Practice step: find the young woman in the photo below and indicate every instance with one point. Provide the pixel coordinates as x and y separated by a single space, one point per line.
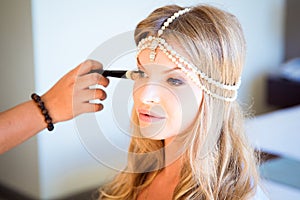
188 138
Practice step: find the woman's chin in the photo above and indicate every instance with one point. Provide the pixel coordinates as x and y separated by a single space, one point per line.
148 133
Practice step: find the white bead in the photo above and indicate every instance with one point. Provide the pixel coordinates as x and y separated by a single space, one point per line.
160 32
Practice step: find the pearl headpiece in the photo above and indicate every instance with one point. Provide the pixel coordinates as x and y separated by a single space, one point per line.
152 43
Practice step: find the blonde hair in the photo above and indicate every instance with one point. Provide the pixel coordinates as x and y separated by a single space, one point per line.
218 161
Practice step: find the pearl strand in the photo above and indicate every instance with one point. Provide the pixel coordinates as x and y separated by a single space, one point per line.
171 19
190 70
166 48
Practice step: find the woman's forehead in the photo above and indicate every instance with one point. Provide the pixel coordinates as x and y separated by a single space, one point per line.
161 60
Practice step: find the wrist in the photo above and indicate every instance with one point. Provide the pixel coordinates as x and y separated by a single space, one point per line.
51 104
44 111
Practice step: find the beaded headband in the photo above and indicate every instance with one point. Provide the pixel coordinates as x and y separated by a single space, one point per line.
152 43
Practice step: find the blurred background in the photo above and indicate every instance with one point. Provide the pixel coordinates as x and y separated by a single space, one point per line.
41 40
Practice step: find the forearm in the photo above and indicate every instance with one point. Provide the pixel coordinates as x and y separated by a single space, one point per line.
68 98
20 123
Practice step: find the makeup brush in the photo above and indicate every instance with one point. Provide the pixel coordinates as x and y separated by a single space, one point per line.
115 73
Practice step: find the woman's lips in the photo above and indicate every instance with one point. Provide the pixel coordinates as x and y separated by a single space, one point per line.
149 117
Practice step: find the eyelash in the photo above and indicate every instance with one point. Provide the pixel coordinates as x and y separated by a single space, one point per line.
175 81
141 74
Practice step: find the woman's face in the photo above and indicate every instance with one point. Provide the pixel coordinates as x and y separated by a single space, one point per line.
166 101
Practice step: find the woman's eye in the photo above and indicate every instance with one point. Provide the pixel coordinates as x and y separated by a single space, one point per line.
142 74
175 81
138 74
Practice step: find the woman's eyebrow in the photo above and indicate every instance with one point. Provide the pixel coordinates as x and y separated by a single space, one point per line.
170 70
138 61
141 67
139 64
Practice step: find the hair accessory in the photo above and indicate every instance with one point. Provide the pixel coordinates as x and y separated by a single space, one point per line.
155 41
152 43
36 98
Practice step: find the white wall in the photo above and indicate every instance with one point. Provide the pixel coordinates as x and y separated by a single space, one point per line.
18 167
66 32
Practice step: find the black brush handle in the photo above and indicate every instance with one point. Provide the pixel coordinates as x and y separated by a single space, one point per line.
111 73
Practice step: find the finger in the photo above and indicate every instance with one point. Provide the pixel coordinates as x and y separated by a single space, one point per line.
87 80
89 65
99 94
86 95
88 107
97 107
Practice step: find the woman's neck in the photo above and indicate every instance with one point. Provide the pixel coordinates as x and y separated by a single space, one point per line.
165 182
173 156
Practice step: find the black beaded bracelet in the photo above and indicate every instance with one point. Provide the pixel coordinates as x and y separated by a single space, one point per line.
36 98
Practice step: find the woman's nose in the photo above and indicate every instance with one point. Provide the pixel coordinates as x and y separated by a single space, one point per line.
149 94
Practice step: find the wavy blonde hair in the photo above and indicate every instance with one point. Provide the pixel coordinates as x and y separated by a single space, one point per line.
218 161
